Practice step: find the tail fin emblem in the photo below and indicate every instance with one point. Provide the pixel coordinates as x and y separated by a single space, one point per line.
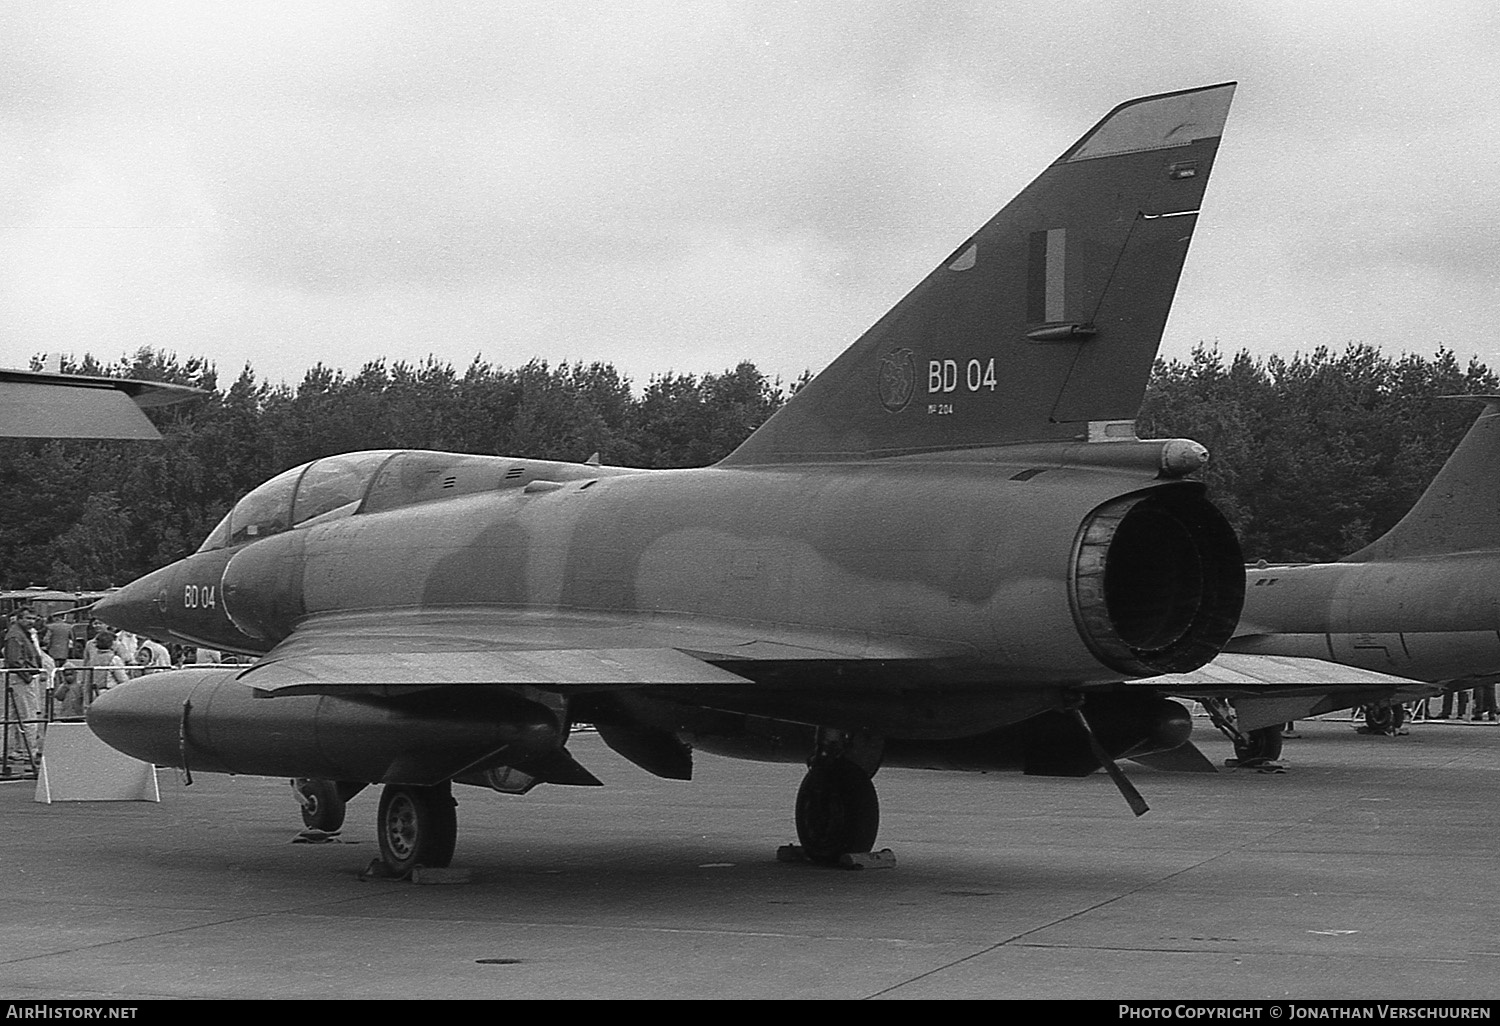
898 380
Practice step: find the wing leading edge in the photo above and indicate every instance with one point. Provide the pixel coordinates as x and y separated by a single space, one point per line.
394 652
392 673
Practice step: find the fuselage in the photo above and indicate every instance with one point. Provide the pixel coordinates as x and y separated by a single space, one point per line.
998 569
1432 618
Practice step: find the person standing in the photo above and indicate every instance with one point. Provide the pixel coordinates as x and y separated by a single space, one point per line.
42 683
106 668
1448 697
126 646
1484 702
58 642
23 663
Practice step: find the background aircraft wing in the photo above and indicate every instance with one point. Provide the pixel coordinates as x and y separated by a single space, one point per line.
37 405
1268 689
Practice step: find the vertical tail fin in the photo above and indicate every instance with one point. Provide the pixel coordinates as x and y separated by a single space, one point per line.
1047 318
1460 510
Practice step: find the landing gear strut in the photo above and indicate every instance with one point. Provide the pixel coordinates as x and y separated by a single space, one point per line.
1253 749
417 826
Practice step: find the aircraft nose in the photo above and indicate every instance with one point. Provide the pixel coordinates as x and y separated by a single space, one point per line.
140 607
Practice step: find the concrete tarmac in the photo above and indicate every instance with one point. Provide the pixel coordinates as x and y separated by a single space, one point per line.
1367 871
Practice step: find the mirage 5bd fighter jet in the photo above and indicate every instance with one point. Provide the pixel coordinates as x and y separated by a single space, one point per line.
948 549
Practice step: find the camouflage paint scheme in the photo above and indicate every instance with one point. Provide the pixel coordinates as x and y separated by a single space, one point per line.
951 536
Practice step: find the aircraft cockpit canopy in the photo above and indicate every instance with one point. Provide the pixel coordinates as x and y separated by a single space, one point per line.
324 489
365 482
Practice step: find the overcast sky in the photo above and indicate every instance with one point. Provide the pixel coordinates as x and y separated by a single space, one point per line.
682 185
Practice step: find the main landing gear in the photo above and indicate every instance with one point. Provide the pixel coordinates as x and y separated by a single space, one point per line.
1386 718
1258 749
418 826
838 812
1259 746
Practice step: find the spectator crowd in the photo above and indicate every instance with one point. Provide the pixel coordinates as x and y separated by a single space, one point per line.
54 670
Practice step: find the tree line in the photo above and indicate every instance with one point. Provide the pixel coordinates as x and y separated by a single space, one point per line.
1314 455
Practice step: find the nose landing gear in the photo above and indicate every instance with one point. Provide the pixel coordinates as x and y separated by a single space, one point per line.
322 804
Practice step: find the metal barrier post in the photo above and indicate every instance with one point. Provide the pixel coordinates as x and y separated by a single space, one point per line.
5 730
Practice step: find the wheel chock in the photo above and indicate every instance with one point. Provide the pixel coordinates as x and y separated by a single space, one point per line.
312 836
378 870
445 875
882 859
1258 765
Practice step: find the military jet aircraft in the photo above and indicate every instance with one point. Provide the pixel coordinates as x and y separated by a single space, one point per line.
946 550
1421 601
34 404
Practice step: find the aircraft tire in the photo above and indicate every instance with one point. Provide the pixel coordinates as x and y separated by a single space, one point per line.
418 826
1384 718
1264 745
838 812
322 805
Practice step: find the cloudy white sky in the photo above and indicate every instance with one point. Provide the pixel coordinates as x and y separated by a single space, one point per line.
682 185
